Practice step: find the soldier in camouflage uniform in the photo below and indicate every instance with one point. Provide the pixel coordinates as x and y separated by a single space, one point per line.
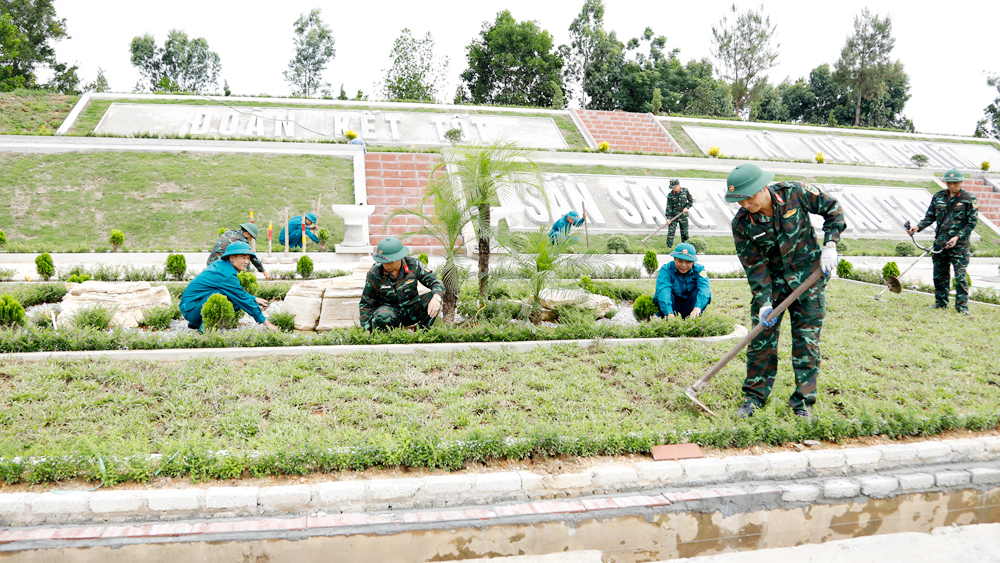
390 298
956 213
778 249
246 232
678 200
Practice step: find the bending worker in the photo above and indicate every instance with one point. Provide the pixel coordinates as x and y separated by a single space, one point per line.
778 249
244 234
956 213
679 201
682 286
390 298
562 226
295 226
220 277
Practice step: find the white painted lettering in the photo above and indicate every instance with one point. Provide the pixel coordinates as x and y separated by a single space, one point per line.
650 216
700 217
367 126
536 210
341 124
255 125
626 211
201 122
393 121
480 128
580 198
558 204
284 127
229 123
439 127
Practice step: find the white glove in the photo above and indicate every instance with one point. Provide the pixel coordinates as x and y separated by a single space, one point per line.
829 258
434 306
765 310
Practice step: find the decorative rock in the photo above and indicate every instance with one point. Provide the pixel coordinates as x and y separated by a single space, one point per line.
339 492
897 454
531 481
915 481
812 443
799 493
841 488
106 502
877 486
285 498
985 476
128 299
175 499
551 298
231 497
992 444
659 471
952 478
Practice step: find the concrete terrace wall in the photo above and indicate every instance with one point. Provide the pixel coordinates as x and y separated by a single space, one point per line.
397 180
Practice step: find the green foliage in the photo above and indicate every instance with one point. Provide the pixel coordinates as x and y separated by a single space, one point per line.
324 237
612 272
699 244
248 281
218 314
97 317
617 243
650 263
890 269
30 294
820 159
222 230
3 239
571 314
44 266
414 72
984 166
743 44
905 249
453 135
7 274
843 247
657 104
615 291
423 258
160 317
603 146
314 49
844 269
11 311
181 65
989 125
176 266
285 321
304 267
274 291
117 239
78 278
644 307
558 101
866 71
919 160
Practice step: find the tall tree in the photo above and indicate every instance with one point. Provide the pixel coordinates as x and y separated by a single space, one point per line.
314 49
10 50
415 73
594 58
513 64
181 65
989 125
38 29
743 44
864 61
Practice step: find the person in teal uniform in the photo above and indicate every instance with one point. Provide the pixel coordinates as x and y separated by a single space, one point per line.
682 286
295 226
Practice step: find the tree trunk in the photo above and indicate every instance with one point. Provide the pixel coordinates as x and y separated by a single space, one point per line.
449 305
857 108
484 249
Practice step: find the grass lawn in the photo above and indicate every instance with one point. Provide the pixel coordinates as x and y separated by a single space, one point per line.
891 367
33 112
68 202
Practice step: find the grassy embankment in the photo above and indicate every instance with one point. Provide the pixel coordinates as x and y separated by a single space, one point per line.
886 370
161 201
33 112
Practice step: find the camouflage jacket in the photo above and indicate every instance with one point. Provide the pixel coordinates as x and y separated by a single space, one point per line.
959 223
676 202
382 289
223 243
782 250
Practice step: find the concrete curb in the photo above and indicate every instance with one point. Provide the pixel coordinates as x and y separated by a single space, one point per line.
181 354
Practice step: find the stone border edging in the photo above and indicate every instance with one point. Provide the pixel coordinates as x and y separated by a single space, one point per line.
843 473
251 353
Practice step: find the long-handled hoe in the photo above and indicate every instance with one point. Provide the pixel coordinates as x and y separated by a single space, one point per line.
671 220
692 392
892 282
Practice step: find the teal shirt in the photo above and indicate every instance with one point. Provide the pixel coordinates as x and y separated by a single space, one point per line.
219 277
670 282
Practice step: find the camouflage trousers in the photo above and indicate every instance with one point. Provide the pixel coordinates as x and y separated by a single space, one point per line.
957 258
807 314
672 227
388 316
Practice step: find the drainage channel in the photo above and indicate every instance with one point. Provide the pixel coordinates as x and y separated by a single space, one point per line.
647 511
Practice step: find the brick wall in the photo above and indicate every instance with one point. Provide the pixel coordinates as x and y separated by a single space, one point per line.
989 201
626 131
398 180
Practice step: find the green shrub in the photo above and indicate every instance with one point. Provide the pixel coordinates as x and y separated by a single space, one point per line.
44 266
890 269
649 262
176 266
38 293
610 314
3 239
249 282
905 249
571 314
7 274
284 321
159 318
609 289
217 313
920 160
973 247
617 243
453 135
423 258
117 239
699 244
304 267
619 273
273 291
222 230
97 317
78 278
644 308
843 247
494 310
844 269
11 311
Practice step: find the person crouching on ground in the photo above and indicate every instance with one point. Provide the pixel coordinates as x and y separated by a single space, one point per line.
295 230
562 226
220 277
245 233
390 298
682 286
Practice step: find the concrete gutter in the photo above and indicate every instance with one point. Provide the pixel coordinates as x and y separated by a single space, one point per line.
184 354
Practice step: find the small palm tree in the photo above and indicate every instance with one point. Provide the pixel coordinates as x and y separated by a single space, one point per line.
445 223
487 174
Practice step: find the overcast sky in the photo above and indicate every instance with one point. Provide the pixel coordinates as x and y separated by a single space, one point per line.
947 48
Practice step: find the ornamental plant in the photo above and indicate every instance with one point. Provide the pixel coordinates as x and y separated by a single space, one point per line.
11 311
714 152
604 147
176 266
324 237
985 167
890 269
905 249
843 247
454 135
820 159
217 313
222 230
159 318
650 263
97 317
844 269
284 321
248 282
351 135
117 239
644 308
3 239
78 278
699 244
44 266
304 267
423 258
919 160
617 243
